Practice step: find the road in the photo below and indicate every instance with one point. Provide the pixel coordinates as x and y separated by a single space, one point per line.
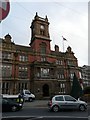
38 110
44 118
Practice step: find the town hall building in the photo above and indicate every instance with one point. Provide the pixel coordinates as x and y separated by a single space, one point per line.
36 67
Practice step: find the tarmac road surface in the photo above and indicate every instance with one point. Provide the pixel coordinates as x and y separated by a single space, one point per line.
38 110
45 118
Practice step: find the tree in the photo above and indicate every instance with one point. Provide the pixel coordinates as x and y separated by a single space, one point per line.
76 90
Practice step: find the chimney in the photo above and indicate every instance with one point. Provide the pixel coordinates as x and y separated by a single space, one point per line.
56 48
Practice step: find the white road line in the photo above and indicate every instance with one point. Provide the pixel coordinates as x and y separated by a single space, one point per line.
34 117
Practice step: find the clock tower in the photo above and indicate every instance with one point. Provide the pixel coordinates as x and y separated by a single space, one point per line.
40 32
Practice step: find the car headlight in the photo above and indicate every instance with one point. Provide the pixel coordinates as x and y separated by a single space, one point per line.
21 100
20 104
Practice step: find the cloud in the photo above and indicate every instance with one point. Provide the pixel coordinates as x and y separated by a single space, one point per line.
68 19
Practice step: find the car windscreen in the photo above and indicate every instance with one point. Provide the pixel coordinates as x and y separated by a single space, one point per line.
27 92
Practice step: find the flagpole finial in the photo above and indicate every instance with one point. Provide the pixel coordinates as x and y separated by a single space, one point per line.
64 38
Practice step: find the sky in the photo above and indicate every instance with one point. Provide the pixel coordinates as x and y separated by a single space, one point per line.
67 19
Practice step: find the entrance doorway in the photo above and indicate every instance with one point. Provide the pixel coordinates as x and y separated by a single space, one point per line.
45 90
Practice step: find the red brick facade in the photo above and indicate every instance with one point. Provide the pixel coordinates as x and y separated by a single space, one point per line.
37 68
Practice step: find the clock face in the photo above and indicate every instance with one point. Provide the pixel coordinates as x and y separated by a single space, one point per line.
42 27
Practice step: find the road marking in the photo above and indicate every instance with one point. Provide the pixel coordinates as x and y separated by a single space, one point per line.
34 117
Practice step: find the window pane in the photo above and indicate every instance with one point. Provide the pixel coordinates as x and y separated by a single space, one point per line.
44 72
6 71
68 98
23 71
23 58
59 98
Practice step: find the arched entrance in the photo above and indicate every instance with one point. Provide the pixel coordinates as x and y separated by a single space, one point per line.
45 90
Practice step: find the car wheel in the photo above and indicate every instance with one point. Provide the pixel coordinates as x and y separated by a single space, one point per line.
55 108
82 108
14 108
30 99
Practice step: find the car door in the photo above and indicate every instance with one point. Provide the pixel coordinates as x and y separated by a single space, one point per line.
60 101
5 105
70 102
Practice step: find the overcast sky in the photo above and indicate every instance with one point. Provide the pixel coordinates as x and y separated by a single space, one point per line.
67 19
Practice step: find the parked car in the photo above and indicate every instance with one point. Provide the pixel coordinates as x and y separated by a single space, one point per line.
27 95
16 98
10 105
59 102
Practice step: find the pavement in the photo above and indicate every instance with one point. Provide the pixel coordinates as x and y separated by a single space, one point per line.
39 103
36 103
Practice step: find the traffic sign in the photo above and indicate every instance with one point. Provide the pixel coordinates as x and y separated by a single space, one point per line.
4 9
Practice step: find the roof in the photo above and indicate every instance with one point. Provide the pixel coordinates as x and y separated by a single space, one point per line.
10 96
23 48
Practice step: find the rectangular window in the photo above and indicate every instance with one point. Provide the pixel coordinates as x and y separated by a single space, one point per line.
62 87
43 59
22 86
5 87
6 55
59 62
43 49
44 72
25 85
19 86
6 70
60 74
71 74
70 63
23 72
23 58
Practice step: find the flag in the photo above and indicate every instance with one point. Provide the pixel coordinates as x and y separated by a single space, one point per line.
64 38
76 90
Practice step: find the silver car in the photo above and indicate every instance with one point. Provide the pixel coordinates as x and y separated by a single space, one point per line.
59 102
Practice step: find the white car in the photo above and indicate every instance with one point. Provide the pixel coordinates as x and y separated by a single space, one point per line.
28 96
59 102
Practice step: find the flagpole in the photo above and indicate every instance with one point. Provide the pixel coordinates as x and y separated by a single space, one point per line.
64 39
63 45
